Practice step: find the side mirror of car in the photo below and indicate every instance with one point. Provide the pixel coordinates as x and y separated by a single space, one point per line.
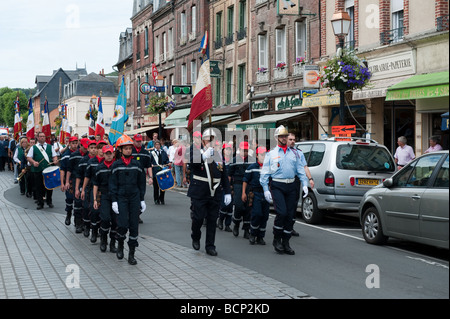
388 182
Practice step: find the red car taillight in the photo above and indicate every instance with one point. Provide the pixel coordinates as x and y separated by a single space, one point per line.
329 179
352 181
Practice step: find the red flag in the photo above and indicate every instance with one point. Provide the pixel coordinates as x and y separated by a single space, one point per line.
17 120
30 122
100 124
202 100
65 129
91 122
46 124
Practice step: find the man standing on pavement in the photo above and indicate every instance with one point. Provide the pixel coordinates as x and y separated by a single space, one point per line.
291 142
208 180
404 153
237 168
281 164
40 156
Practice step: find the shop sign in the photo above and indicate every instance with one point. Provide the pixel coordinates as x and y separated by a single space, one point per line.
321 100
398 64
307 93
311 76
418 93
256 126
287 102
153 119
369 94
260 105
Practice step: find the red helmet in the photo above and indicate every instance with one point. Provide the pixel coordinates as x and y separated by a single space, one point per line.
124 140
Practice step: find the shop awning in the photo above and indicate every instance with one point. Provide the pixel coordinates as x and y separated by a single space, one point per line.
444 125
421 86
377 88
267 121
140 130
322 98
219 118
177 117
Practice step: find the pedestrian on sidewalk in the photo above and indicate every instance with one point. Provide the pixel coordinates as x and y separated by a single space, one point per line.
209 180
404 153
41 156
255 199
127 191
103 200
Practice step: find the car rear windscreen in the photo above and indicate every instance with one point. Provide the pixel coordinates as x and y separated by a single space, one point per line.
364 158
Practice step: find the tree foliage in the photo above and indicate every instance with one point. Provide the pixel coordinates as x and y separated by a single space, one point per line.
7 112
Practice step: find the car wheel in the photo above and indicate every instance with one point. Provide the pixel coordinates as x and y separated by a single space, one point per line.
310 213
372 229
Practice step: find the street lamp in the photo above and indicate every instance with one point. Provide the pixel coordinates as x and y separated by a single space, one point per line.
159 82
340 21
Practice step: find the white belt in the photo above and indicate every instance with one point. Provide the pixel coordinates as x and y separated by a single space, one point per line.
284 180
205 179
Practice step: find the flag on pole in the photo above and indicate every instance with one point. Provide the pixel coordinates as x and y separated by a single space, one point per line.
17 120
100 125
65 129
91 122
46 124
202 100
120 117
30 121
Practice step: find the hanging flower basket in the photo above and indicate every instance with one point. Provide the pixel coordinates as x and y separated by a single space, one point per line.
158 104
345 72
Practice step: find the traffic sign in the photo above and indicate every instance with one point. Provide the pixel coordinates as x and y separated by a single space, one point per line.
145 88
343 130
181 89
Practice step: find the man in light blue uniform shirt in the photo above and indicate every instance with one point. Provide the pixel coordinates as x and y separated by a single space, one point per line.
280 167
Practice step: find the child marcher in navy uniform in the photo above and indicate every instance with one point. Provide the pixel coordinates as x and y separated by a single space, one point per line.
102 200
260 207
67 183
226 211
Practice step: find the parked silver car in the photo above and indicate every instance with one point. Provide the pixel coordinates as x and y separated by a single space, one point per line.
412 205
343 171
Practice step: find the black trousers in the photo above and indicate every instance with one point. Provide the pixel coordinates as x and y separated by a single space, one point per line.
205 208
242 212
128 218
158 194
108 219
285 204
41 191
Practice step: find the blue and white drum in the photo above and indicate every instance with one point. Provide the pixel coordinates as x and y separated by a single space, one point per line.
52 177
165 179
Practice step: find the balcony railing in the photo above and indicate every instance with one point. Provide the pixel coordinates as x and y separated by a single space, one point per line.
280 73
262 77
241 34
229 39
218 44
442 23
392 36
298 69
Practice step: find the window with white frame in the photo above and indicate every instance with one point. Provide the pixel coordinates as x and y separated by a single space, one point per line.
262 51
183 27
170 43
350 38
280 40
157 50
300 39
397 20
194 20
164 43
193 72
183 74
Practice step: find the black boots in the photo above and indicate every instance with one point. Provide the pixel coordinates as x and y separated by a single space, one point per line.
278 245
220 223
103 242
252 239
236 230
78 225
287 249
68 217
282 246
94 235
131 259
112 245
119 252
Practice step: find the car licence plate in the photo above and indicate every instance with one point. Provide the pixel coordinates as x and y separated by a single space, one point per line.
367 181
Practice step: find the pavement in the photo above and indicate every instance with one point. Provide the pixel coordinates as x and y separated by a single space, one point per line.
41 257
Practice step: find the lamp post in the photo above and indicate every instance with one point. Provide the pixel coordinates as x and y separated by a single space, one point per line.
159 82
340 22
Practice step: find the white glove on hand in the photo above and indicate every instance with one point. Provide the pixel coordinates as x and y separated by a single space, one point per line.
227 199
143 206
115 207
268 196
207 153
305 191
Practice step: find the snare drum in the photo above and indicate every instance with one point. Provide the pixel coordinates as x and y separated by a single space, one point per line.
165 179
52 177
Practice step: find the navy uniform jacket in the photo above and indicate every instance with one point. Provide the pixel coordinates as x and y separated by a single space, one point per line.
238 167
162 159
74 160
142 157
81 169
65 160
251 177
126 180
90 169
199 189
101 178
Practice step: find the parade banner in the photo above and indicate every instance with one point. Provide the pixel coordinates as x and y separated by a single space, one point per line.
46 129
100 124
30 122
119 119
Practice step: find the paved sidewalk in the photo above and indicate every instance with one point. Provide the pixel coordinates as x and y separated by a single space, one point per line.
41 257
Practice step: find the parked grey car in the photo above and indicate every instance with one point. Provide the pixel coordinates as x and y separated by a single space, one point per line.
412 205
343 171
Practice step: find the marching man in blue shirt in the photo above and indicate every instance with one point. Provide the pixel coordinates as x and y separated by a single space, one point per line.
281 165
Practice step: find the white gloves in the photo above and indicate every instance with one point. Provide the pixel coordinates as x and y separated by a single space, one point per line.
207 153
115 207
143 206
227 199
268 196
305 191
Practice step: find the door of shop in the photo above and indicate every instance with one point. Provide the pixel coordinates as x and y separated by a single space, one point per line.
399 121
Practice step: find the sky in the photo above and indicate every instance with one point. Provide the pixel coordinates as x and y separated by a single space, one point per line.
39 36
